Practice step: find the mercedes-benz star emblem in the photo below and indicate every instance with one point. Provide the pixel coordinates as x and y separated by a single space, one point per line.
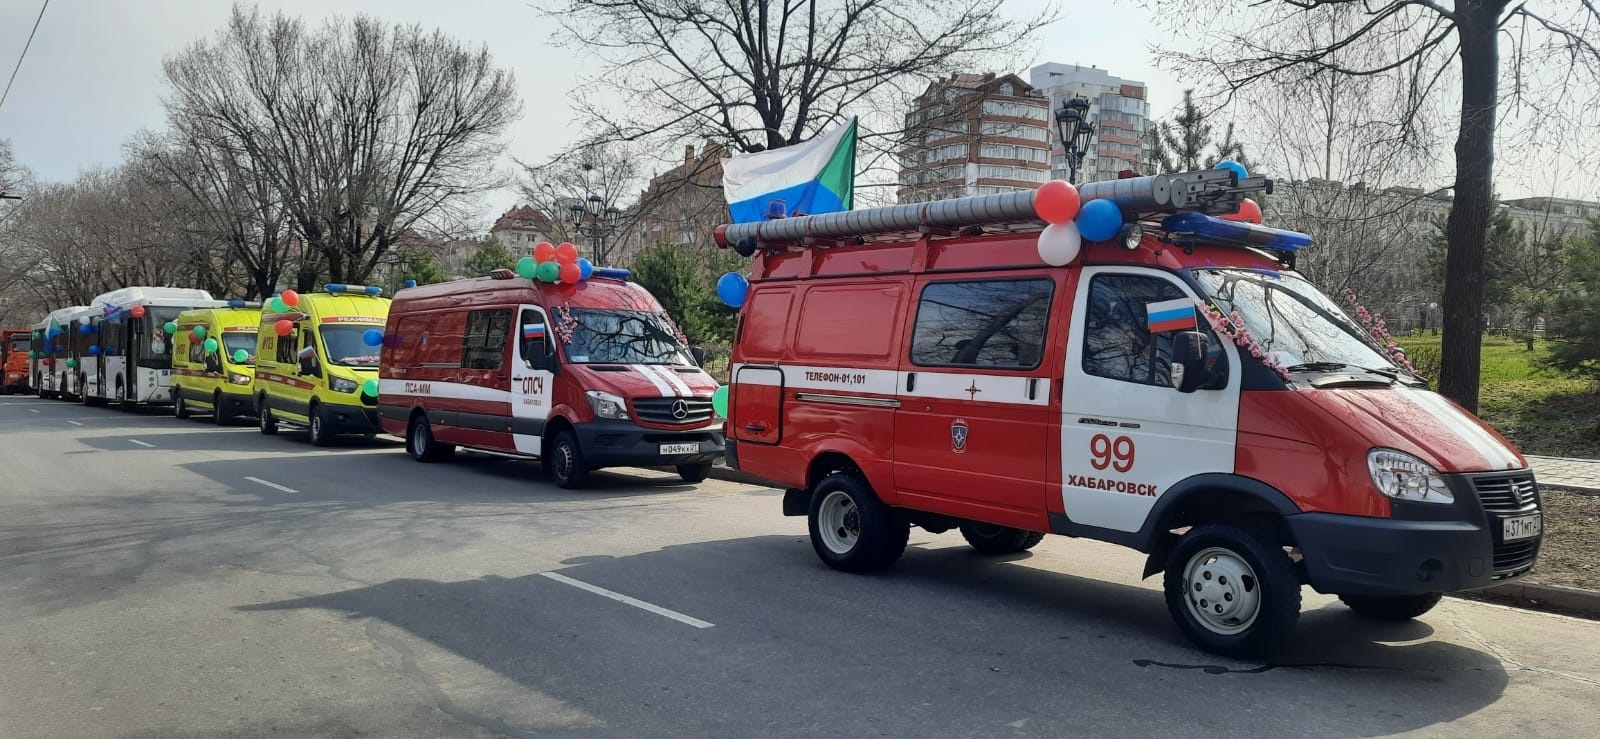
680 409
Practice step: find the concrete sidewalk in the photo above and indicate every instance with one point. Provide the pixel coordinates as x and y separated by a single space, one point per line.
1578 474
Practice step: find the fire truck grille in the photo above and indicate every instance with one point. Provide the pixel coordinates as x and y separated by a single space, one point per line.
1508 494
673 411
1514 558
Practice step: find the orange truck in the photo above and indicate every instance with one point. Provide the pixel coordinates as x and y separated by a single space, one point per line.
14 346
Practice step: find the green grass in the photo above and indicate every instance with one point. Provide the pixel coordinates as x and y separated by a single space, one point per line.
1541 411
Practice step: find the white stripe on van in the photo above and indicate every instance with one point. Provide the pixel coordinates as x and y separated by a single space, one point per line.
942 384
1494 453
661 387
671 377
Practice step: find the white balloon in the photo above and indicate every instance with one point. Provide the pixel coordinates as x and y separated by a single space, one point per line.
1059 243
83 320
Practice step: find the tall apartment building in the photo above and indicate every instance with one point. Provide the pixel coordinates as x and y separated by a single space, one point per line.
974 134
1117 107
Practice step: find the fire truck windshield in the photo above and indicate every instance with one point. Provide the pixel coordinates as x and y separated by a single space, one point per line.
624 337
1292 320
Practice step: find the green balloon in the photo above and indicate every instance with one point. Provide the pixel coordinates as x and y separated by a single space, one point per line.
719 401
370 387
71 363
276 305
199 332
211 345
241 356
527 267
33 354
171 327
548 272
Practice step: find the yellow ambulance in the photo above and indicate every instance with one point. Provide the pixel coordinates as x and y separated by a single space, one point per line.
213 361
317 361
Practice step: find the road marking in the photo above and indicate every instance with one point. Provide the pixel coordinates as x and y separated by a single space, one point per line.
635 602
33 410
75 423
270 484
144 444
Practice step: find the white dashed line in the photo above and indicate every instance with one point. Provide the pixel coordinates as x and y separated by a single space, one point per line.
75 423
33 410
144 444
273 485
635 602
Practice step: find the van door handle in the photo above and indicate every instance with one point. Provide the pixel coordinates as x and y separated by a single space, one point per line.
1033 388
911 381
754 428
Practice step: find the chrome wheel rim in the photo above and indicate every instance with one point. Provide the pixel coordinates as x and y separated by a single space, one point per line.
839 522
1221 590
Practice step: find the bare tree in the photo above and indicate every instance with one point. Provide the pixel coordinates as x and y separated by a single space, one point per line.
608 169
365 130
1425 45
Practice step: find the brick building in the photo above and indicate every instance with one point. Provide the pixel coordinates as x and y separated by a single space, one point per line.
974 134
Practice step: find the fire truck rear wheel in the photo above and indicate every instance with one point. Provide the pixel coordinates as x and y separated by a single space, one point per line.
421 445
851 530
696 472
565 462
1392 608
1232 592
180 408
991 539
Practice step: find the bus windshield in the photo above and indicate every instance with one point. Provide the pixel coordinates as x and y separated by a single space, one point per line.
157 353
347 346
624 337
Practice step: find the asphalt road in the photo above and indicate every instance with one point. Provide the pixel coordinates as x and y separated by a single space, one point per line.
164 578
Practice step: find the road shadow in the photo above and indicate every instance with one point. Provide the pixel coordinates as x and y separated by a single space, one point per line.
946 643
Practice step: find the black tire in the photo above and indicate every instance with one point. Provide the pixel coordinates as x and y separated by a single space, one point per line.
696 472
421 445
265 421
866 539
219 416
320 430
1392 608
990 539
180 409
1266 578
565 462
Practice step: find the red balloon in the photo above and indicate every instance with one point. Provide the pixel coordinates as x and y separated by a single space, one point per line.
283 328
1056 201
1248 212
138 311
566 253
48 361
544 251
570 273
290 298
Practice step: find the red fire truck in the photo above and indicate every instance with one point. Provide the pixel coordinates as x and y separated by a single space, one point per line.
582 376
1177 388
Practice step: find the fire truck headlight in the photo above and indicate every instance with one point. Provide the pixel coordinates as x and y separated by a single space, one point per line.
606 405
1402 476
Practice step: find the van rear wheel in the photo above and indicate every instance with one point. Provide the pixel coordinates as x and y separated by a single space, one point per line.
1232 592
851 530
180 409
1392 608
421 445
991 539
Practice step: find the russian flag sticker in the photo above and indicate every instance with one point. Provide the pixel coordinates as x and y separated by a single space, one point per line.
1171 315
533 332
307 351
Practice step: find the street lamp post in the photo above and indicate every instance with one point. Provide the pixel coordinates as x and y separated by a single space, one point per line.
593 218
1072 123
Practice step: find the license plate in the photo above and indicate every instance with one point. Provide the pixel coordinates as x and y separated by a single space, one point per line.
1521 527
680 448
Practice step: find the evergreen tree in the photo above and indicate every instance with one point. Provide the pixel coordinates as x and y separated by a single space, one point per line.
1184 142
491 256
1575 322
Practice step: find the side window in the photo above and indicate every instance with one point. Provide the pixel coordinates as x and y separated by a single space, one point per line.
488 333
285 353
308 353
197 351
984 323
532 335
1117 340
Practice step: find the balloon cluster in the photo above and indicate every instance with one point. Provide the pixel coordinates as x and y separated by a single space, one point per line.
283 302
551 263
1071 221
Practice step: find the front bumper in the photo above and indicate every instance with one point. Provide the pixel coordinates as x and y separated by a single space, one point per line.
237 404
1421 548
611 443
352 419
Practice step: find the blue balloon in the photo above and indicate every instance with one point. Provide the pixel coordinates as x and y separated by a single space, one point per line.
1237 168
732 288
585 268
94 349
84 329
1099 220
373 337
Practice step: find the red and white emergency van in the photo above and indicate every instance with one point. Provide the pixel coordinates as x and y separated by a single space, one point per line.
582 376
921 365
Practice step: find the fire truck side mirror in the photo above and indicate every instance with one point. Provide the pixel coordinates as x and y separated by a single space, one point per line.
1189 350
699 354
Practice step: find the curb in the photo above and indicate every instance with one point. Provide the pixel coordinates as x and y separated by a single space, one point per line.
1550 598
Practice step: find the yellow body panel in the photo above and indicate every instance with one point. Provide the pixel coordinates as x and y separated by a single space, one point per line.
295 373
201 376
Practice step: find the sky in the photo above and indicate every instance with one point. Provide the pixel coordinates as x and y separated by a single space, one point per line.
93 75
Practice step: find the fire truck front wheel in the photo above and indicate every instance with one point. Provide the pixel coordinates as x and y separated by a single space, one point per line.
851 529
1232 592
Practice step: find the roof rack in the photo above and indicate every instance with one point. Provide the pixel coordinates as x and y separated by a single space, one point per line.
1205 191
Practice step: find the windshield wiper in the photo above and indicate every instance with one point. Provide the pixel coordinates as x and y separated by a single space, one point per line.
1393 373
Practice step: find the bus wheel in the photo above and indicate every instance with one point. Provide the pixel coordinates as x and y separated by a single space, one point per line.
218 414
851 530
321 431
179 407
1231 592
990 539
268 424
566 463
421 445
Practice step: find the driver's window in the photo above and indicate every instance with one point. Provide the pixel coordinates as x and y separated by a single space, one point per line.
308 354
1118 343
531 336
